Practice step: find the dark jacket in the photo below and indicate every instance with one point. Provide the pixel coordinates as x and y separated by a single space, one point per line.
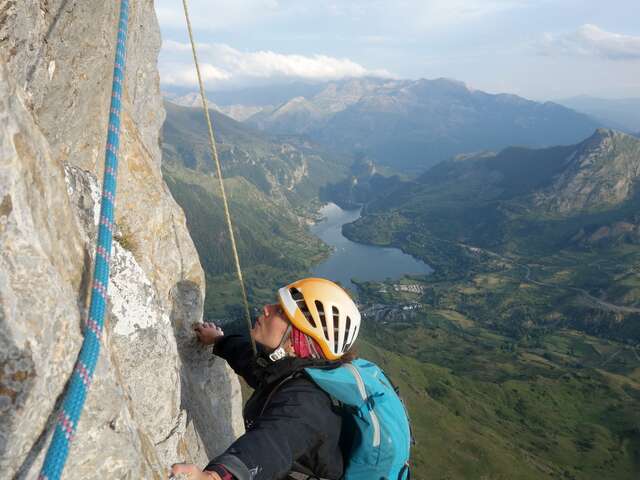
286 422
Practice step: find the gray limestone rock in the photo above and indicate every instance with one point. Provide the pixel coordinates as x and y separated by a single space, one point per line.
602 173
41 270
157 397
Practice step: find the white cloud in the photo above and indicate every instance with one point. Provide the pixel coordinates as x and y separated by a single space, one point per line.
222 65
592 41
185 74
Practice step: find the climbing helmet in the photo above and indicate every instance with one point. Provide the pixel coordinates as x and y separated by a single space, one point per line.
324 311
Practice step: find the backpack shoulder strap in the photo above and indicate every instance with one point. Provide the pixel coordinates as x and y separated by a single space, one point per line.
299 471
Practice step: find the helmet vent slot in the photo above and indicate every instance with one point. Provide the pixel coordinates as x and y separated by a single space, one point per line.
336 315
347 329
355 333
302 305
323 320
336 326
320 309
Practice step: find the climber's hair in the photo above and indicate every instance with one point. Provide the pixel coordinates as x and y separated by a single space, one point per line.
349 356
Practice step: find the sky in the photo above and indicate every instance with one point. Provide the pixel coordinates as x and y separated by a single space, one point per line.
539 49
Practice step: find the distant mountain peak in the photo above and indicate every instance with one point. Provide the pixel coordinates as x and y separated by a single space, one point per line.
294 103
604 133
602 138
604 171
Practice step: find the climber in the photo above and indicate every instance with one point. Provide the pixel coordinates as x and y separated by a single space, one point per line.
292 426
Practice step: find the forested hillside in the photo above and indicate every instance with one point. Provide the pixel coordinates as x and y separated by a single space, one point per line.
565 218
520 354
272 185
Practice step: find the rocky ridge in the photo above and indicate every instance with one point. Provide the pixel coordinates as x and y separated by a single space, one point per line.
543 199
156 397
601 173
236 111
303 114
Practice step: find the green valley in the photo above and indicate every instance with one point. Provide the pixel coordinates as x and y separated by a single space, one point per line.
559 227
525 342
519 357
486 406
272 186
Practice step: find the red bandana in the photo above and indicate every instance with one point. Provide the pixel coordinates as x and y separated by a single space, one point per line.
304 346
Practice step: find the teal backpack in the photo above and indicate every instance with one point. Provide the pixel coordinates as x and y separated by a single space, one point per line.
377 429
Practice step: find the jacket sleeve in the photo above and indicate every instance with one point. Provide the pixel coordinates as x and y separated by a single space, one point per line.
236 350
293 424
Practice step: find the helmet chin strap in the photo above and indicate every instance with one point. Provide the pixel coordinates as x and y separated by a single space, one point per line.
279 353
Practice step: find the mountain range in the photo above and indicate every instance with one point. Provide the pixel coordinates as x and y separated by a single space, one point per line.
521 199
408 125
561 211
411 125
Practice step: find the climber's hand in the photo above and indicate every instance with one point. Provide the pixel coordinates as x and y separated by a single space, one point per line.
208 333
192 472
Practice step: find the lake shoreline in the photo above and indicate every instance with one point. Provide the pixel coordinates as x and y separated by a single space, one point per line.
353 260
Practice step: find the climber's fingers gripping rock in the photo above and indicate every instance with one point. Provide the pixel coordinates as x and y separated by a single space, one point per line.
208 333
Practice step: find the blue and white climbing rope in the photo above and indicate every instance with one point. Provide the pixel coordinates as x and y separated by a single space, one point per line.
76 394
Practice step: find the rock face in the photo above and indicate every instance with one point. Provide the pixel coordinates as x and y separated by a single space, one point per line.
602 173
157 397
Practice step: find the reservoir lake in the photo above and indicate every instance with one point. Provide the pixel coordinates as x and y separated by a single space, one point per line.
354 260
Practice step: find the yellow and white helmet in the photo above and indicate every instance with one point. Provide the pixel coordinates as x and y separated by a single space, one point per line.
324 311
